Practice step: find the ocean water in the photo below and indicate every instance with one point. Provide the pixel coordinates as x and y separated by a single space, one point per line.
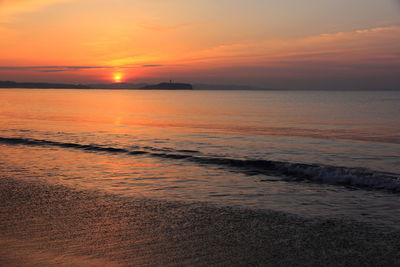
315 154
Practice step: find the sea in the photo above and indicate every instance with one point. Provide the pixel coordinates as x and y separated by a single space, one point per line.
314 154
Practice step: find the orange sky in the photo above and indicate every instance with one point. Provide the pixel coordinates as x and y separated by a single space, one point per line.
275 43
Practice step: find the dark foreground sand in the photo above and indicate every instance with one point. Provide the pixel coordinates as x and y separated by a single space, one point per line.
53 225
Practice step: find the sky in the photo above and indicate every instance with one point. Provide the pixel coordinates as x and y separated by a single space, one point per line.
302 44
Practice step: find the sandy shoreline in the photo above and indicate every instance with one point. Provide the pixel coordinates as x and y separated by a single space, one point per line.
53 225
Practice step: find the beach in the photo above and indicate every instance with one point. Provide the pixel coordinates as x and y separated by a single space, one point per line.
141 178
47 225
199 133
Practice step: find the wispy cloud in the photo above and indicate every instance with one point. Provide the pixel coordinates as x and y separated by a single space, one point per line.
152 66
52 68
377 45
379 42
73 68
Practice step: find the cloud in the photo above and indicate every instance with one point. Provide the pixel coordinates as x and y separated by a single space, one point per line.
360 45
151 66
73 68
52 68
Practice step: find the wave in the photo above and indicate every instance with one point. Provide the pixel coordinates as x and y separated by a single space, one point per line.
356 177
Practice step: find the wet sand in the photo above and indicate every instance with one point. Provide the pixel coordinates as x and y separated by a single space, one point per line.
44 224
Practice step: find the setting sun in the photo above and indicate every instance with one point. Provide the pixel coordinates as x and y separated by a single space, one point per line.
117 78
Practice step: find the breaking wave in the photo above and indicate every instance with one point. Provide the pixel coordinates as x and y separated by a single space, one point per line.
355 177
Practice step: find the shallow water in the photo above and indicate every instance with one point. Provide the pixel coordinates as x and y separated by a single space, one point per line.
332 154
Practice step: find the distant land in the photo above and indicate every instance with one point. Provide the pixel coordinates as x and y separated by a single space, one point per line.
144 86
117 85
166 85
162 86
169 86
127 86
31 85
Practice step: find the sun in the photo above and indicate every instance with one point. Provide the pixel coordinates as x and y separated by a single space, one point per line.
117 78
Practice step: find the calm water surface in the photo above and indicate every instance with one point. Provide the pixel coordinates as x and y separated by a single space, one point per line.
312 153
